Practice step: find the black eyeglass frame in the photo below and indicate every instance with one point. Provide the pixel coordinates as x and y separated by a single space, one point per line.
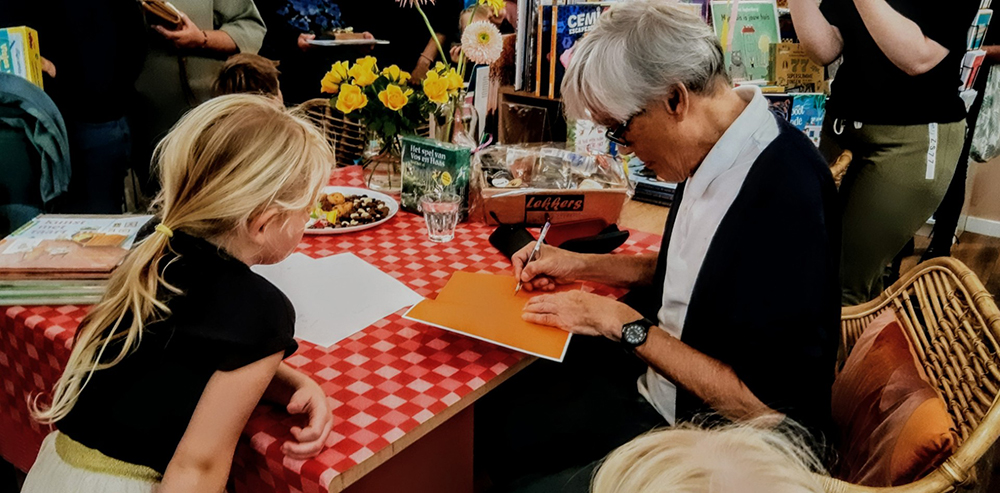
616 133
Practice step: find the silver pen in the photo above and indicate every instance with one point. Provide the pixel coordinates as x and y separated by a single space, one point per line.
534 251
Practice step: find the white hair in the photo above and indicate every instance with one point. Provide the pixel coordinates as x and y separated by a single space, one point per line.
639 50
743 458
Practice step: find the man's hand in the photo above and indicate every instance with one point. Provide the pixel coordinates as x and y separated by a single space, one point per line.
309 399
581 313
186 36
551 266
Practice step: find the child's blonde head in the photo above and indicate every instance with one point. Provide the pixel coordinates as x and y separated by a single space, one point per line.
686 459
225 163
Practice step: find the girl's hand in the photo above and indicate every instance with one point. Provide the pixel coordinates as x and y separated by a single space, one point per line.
186 36
309 399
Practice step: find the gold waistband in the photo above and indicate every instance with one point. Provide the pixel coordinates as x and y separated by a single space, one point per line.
82 457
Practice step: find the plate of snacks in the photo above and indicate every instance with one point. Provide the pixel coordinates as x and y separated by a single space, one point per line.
346 209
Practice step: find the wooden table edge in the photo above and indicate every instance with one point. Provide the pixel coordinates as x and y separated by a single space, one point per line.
352 475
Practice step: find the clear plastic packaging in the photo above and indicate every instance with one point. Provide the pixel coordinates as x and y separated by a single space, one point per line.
502 172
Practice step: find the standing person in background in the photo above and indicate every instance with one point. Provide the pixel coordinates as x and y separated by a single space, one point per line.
91 83
291 25
946 217
183 63
895 105
410 45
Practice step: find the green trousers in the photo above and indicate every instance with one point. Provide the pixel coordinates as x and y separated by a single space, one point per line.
896 180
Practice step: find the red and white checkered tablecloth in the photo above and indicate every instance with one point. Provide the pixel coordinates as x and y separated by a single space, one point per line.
381 382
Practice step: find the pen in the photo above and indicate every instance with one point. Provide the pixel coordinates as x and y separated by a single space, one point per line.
534 251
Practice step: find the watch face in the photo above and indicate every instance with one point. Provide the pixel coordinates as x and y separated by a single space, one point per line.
633 334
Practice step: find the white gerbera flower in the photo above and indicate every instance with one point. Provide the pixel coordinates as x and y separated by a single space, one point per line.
482 43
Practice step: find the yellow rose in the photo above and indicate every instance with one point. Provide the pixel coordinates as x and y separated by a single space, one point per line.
351 98
364 71
455 81
332 80
394 98
496 5
395 75
436 88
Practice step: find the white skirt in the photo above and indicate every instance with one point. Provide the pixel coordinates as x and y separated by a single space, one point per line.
73 468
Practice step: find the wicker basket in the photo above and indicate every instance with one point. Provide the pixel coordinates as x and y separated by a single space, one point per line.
954 326
347 137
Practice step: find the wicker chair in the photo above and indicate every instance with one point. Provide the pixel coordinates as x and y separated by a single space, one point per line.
954 325
347 137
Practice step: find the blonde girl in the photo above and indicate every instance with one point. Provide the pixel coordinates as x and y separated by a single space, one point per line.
167 368
741 458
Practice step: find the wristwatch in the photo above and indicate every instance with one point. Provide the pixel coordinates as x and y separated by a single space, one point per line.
634 333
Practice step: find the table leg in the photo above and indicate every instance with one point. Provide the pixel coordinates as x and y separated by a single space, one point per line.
439 461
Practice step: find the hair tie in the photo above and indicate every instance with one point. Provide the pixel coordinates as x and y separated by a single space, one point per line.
162 228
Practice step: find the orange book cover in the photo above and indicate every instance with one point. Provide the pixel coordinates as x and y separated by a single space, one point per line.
485 307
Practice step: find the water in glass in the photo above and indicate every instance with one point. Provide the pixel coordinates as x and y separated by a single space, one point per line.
441 214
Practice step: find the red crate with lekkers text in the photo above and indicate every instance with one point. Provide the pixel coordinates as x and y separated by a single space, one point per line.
534 206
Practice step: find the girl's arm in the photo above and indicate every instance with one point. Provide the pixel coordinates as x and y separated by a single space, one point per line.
901 39
205 453
301 395
821 40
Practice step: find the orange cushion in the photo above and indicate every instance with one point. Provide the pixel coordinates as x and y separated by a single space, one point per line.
894 428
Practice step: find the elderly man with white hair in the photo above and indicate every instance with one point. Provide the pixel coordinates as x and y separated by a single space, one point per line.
742 303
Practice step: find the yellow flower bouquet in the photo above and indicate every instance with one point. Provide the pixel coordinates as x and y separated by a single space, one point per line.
383 100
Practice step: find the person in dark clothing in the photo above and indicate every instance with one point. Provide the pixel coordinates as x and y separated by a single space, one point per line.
895 105
291 25
96 50
718 324
410 44
946 217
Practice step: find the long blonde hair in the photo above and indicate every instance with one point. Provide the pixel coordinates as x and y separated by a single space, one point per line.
223 164
741 458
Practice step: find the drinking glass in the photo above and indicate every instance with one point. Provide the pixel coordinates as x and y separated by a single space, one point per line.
441 213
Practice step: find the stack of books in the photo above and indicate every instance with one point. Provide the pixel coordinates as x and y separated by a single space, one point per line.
973 59
649 188
64 259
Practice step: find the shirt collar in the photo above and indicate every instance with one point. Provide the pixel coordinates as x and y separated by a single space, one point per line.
755 126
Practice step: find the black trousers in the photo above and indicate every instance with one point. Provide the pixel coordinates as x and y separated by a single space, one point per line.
547 428
947 214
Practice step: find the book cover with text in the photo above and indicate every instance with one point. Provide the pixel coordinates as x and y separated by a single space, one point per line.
746 37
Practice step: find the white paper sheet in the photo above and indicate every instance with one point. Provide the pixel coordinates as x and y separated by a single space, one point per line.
336 296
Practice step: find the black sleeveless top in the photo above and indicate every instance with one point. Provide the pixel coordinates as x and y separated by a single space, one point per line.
226 318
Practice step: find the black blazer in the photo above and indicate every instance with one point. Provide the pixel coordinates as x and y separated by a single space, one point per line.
767 299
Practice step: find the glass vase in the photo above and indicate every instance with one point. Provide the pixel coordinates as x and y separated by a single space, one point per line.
382 163
455 122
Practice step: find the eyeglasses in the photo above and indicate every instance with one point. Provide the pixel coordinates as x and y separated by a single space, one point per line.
616 133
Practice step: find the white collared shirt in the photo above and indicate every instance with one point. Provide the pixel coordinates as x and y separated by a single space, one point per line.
707 197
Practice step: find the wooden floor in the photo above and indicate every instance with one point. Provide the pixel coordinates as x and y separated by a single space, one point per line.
980 253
